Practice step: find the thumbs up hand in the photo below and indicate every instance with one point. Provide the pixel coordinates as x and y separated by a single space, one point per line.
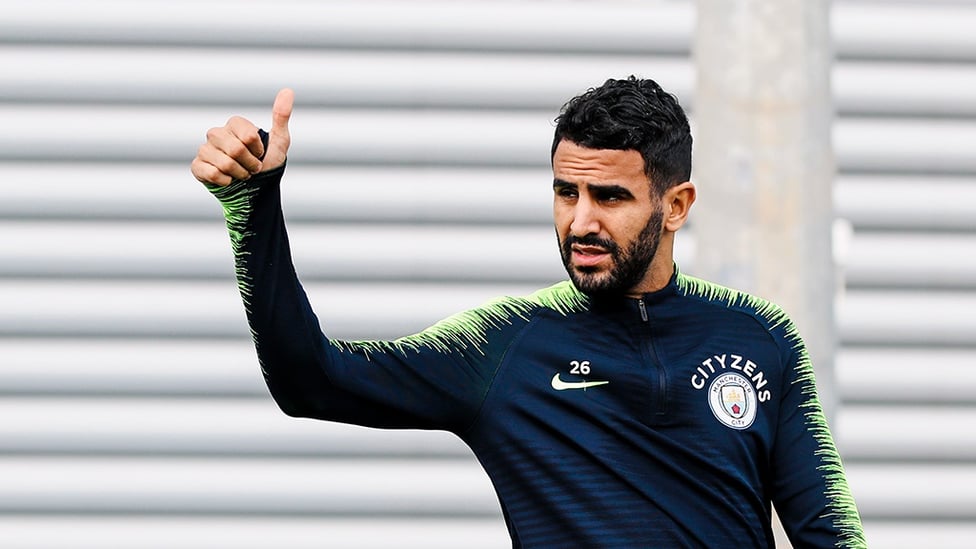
235 151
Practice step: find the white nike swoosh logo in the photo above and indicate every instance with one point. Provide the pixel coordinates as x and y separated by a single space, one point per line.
561 385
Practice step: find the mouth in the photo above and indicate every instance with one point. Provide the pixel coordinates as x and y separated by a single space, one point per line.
589 256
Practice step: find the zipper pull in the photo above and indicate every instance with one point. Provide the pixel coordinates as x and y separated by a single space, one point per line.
643 309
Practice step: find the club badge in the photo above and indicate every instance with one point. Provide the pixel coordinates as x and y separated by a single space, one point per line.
733 400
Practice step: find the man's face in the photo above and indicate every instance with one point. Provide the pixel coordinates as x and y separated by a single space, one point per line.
607 222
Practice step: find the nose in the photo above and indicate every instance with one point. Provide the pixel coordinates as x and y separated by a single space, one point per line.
585 219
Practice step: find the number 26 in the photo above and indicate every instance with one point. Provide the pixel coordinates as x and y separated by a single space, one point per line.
579 367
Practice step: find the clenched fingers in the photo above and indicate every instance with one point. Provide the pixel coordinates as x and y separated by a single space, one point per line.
232 151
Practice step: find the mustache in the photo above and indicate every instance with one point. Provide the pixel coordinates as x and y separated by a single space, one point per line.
590 240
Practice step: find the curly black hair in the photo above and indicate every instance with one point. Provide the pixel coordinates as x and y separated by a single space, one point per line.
632 114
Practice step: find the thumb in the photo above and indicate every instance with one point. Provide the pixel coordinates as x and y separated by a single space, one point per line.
279 138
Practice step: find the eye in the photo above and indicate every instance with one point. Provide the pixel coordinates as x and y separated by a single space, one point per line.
566 192
611 196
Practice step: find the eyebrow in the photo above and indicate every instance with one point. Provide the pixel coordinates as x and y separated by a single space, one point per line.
605 188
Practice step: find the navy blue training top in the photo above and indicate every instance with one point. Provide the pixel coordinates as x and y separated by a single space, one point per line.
674 420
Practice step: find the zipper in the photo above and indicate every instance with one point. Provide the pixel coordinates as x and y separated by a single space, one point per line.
643 309
659 393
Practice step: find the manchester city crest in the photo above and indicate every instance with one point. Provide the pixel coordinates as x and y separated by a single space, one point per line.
733 400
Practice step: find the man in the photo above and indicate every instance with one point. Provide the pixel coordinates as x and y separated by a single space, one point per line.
634 406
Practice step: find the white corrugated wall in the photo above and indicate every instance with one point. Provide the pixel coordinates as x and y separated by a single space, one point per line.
132 413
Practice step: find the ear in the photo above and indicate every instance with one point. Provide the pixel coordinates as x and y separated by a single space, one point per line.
677 204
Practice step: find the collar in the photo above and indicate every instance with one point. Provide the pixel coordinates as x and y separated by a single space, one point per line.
621 302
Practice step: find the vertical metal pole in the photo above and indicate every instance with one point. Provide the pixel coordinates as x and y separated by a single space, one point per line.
764 164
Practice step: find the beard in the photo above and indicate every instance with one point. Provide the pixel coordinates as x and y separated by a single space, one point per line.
627 268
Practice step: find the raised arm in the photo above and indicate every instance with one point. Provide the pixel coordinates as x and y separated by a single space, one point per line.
436 380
